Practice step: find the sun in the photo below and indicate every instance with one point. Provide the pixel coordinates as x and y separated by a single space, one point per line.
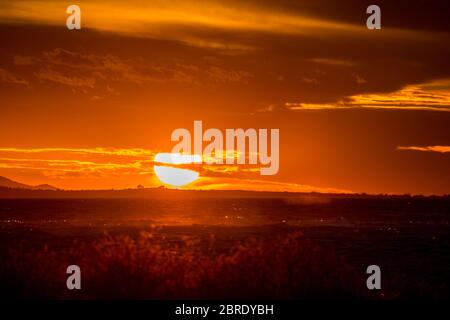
175 177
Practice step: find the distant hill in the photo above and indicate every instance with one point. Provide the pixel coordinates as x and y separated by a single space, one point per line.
8 183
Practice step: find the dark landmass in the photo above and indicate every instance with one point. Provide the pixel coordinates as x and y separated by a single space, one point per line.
48 193
10 189
11 184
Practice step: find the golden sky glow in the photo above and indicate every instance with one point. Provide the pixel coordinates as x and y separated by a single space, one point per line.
174 19
119 167
143 17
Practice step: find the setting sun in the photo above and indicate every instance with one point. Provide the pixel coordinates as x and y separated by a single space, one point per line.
172 176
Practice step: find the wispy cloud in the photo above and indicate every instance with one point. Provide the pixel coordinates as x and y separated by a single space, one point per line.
78 162
433 96
218 74
140 16
268 108
101 151
188 20
58 77
439 149
334 62
105 161
88 71
8 77
258 185
22 60
70 167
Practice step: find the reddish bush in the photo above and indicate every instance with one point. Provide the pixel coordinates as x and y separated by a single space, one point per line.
147 268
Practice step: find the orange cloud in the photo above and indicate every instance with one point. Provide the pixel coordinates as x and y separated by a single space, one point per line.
180 20
83 70
433 96
99 168
440 149
334 62
137 15
257 185
103 151
76 162
58 77
8 77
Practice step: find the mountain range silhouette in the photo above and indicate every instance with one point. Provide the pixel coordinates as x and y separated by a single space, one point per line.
8 183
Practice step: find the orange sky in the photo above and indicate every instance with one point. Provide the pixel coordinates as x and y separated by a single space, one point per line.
358 110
